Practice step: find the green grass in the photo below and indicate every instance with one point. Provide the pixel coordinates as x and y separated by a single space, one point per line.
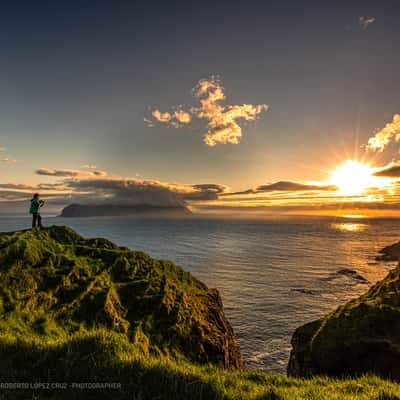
85 310
360 336
54 282
104 356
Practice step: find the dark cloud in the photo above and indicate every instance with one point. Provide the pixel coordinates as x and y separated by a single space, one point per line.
390 171
205 191
123 191
136 191
284 186
21 186
211 187
70 173
292 186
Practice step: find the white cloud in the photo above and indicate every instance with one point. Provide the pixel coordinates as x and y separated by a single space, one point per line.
384 137
182 116
221 120
161 116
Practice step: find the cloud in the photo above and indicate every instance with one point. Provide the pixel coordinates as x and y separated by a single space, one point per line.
161 116
365 21
382 138
70 173
205 191
216 188
8 160
23 192
279 196
221 120
292 186
128 191
390 171
21 186
2 148
148 122
89 166
182 116
283 186
139 191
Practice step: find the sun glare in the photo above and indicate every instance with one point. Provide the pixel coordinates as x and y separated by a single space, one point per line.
353 178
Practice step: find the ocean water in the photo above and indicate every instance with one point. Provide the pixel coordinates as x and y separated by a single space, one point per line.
274 274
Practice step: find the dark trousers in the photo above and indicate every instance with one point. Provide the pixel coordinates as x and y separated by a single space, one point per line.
36 219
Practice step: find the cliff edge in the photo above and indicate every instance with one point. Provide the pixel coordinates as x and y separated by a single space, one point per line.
362 336
54 284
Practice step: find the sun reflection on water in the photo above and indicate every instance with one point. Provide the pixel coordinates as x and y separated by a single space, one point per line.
349 227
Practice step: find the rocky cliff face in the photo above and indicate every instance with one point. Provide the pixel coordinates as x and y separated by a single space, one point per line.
55 283
362 336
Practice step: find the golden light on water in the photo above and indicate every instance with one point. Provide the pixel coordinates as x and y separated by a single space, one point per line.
349 227
353 178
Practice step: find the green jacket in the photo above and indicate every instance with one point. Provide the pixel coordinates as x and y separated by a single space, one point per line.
35 206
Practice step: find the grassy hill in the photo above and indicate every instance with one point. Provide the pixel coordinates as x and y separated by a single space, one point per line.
102 356
361 336
78 312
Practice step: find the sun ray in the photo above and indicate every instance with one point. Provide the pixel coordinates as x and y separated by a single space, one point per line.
353 178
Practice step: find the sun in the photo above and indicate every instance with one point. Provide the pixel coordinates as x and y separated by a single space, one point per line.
353 178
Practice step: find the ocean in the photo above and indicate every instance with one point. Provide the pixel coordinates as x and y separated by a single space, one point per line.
274 274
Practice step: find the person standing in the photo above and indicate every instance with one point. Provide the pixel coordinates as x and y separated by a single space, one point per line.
36 205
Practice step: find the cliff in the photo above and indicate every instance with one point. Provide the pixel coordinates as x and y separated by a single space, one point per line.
115 210
390 253
85 319
362 336
54 284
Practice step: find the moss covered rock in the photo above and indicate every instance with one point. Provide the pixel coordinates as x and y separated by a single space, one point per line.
362 336
54 284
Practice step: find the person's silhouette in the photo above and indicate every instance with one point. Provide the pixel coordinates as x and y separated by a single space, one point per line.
36 204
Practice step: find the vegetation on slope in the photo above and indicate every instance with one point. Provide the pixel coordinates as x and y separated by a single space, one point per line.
105 356
53 282
76 313
362 336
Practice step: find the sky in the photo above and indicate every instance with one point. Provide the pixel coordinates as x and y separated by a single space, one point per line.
267 91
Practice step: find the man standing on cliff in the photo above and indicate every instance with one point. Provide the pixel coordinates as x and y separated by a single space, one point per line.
36 205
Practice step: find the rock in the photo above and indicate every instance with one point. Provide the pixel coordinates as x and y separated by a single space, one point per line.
390 253
351 273
104 210
346 273
311 292
53 283
362 336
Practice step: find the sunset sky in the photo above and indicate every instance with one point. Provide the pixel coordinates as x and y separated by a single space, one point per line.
212 103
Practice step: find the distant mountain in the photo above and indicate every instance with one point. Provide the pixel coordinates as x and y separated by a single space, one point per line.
103 210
